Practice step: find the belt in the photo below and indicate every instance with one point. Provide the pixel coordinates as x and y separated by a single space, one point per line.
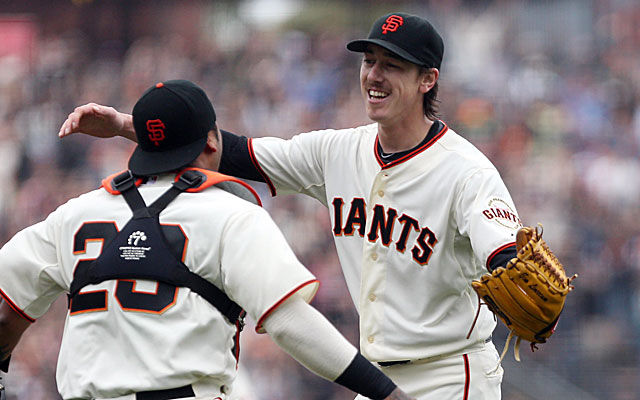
434 358
196 390
166 394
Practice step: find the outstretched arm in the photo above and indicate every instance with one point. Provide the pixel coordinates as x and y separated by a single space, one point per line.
99 121
309 337
105 122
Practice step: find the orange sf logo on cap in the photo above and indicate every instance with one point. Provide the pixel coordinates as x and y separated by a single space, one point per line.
156 131
392 24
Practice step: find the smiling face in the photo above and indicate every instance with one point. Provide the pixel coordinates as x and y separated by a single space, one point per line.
393 89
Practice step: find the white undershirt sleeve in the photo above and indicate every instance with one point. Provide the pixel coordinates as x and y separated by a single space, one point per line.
304 333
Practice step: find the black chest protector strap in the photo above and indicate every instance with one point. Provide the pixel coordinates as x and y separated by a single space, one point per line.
141 250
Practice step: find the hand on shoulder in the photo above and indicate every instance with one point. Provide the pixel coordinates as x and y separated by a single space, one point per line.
99 121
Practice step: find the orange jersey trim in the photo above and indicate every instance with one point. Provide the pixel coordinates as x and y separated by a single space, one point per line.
15 308
414 153
259 328
498 250
254 160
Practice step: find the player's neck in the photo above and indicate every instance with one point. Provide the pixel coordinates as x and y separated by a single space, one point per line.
394 138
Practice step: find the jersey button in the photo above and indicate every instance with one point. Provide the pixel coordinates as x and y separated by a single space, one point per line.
374 256
372 297
370 339
381 193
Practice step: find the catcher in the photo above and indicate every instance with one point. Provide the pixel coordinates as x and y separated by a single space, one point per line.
529 293
161 268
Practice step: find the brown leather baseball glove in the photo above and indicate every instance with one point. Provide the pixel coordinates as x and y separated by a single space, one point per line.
529 293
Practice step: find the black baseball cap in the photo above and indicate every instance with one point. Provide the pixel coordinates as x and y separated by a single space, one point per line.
172 120
411 37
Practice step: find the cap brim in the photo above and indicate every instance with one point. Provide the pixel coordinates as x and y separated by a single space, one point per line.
360 46
145 163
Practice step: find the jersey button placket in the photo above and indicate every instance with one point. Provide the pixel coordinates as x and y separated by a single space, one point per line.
372 284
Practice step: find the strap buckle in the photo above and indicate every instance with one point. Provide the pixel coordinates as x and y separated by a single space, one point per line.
124 181
188 179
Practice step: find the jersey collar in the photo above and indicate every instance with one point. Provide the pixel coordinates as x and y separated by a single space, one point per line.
437 130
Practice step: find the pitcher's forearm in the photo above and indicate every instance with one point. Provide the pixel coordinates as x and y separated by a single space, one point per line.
127 130
99 121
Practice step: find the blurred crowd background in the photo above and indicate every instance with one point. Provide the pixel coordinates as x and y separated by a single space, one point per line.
549 90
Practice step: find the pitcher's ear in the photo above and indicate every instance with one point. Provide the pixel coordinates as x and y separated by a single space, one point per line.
428 79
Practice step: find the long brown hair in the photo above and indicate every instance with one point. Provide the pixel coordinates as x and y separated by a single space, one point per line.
430 102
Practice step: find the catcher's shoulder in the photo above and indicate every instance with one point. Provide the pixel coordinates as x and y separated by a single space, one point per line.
89 199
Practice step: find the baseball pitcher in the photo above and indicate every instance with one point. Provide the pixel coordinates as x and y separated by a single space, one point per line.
425 228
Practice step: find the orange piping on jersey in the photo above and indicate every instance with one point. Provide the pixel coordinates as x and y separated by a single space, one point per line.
106 183
254 160
88 310
264 316
15 308
496 251
414 153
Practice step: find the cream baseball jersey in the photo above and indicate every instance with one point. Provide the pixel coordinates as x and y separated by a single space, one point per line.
410 234
127 341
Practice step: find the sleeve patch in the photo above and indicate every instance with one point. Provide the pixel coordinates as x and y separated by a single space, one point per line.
500 212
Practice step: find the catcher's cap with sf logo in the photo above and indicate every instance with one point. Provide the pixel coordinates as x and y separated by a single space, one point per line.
411 37
172 120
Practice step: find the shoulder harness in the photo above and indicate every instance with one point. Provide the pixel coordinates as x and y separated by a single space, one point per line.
158 262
